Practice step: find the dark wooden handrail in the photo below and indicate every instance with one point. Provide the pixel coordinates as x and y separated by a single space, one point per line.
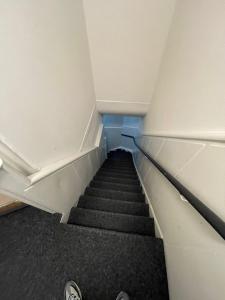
216 222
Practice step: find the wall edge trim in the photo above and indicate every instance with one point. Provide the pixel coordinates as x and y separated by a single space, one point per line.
87 127
54 167
149 202
207 135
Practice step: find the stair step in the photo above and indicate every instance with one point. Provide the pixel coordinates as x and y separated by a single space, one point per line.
118 170
108 173
116 186
114 261
127 162
124 160
120 154
123 207
118 164
112 221
115 195
123 169
116 159
102 262
117 180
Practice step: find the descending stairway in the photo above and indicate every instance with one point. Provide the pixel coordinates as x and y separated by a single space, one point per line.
109 244
114 199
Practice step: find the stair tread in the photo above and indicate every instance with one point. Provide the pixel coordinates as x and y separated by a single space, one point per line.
112 221
118 165
105 204
118 180
119 170
116 186
108 251
116 195
116 174
102 262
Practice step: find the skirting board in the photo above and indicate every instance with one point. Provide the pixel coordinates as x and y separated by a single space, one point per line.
122 107
158 230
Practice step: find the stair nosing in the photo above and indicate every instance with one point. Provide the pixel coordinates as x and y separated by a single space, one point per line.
101 216
125 202
108 231
116 183
115 173
143 213
105 180
116 191
114 170
113 213
111 231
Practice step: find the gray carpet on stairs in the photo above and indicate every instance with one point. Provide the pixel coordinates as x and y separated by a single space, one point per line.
115 195
116 174
116 186
38 255
123 207
112 221
116 180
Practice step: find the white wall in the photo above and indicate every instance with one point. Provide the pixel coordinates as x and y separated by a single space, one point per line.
190 95
51 141
46 93
195 253
187 136
61 190
126 40
57 190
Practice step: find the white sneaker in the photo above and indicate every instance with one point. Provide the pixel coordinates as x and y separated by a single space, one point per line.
122 296
72 291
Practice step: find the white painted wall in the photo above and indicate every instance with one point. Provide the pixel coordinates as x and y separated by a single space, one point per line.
190 95
46 93
195 253
187 127
51 141
60 190
126 40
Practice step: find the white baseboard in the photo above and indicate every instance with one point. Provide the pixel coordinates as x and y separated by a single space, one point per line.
158 230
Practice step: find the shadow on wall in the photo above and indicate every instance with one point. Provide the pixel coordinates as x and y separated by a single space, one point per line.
115 125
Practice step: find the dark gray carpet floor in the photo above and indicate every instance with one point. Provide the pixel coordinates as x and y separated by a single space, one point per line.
38 255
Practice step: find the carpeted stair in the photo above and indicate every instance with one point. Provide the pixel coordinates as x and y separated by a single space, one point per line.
108 245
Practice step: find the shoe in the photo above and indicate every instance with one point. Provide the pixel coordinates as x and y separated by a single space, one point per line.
122 296
72 291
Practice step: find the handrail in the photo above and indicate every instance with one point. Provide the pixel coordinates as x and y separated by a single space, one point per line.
215 221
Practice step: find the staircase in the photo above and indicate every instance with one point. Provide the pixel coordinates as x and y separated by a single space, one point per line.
107 246
114 199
